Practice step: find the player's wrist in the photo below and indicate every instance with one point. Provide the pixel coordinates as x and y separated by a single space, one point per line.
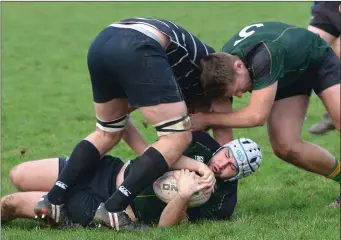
185 196
203 168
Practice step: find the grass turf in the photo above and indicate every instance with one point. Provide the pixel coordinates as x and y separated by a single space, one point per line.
47 108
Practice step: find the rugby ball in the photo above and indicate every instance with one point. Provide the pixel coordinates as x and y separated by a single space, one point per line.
165 188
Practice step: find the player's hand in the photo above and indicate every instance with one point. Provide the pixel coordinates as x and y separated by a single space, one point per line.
198 122
187 183
207 178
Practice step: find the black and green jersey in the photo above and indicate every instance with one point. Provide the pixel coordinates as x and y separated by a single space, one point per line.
148 207
277 51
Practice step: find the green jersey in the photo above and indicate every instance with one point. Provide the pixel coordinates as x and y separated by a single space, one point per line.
275 51
148 208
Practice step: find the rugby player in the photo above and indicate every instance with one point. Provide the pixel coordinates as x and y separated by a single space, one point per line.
280 65
37 177
139 63
325 21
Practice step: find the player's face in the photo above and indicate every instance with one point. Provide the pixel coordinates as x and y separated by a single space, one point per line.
223 165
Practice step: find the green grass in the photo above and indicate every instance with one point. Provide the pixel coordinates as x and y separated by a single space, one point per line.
47 108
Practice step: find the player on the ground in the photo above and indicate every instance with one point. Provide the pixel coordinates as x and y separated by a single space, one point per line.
280 64
147 64
37 177
325 21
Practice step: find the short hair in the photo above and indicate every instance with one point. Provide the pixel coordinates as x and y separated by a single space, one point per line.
217 74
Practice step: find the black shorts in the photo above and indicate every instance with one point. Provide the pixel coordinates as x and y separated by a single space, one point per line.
319 78
95 188
326 16
125 63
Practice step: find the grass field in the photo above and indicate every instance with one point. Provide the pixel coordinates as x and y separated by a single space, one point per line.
47 108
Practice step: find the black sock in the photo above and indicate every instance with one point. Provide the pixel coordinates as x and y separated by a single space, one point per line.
84 156
145 170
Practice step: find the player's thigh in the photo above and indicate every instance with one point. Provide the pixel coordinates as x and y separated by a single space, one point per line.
164 112
331 99
286 120
108 93
39 175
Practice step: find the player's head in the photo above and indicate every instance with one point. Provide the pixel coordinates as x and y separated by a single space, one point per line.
236 159
223 74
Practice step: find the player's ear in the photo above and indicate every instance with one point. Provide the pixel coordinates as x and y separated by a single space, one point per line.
238 66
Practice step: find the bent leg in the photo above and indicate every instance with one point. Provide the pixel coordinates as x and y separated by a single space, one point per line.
284 128
156 159
86 155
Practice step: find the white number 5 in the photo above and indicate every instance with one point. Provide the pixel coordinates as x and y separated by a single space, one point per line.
244 33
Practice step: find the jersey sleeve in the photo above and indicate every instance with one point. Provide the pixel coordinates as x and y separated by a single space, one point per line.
267 65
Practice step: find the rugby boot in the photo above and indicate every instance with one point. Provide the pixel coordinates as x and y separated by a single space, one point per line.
53 215
117 221
337 202
325 125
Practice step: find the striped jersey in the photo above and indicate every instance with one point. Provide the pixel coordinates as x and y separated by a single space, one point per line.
184 53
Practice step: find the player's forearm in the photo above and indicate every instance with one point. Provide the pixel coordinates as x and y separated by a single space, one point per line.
187 163
174 212
242 118
134 139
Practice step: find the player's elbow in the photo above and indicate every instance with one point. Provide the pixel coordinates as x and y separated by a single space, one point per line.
259 119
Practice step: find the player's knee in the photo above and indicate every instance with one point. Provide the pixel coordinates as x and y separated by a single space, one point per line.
16 176
112 131
286 150
113 127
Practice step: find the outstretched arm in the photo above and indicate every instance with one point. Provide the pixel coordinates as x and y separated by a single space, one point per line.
253 115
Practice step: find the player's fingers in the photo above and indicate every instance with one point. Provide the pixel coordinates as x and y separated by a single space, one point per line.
210 189
186 172
202 186
176 176
192 175
182 172
208 178
210 184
